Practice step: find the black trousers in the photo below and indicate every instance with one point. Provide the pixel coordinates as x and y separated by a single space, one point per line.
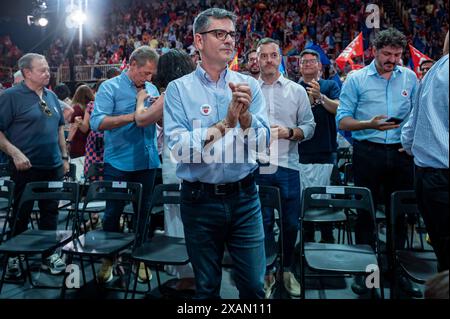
384 170
432 197
48 208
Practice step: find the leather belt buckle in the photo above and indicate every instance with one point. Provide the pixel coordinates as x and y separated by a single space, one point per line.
220 189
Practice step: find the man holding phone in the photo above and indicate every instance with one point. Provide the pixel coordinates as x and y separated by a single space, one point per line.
373 102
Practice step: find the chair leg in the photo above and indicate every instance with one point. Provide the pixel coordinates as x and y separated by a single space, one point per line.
4 266
135 280
83 272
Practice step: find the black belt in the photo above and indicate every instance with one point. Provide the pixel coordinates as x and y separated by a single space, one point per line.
380 145
222 189
432 169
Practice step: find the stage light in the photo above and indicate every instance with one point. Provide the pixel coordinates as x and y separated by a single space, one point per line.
78 17
42 22
39 22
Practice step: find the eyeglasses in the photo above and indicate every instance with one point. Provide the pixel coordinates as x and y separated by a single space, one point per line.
45 108
222 34
265 56
305 62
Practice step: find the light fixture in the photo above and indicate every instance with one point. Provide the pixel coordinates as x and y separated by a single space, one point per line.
42 22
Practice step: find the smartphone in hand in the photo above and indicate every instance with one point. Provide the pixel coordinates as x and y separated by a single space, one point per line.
395 120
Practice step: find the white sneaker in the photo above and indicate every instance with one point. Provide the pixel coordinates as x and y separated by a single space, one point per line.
269 282
291 284
54 264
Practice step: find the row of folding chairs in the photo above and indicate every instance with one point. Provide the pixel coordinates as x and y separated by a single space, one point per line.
162 250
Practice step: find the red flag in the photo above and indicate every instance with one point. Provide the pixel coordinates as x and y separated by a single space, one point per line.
355 48
124 64
417 57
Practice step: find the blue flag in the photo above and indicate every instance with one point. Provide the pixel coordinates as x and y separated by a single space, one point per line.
323 57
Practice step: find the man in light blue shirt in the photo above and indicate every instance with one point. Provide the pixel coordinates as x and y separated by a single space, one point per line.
426 137
373 103
213 120
131 153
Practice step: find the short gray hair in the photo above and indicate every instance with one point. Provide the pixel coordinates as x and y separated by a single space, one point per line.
26 61
201 22
17 74
144 54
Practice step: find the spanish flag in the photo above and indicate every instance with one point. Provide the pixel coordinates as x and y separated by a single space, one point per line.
234 64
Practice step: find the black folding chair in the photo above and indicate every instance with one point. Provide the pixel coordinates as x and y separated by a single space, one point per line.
418 264
95 172
6 200
98 243
338 258
36 241
327 215
160 250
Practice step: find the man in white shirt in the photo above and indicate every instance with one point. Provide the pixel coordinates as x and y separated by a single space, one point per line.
292 121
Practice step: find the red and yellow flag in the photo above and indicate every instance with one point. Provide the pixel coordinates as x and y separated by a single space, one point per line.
234 64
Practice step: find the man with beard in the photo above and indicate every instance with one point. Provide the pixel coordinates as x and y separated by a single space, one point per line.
374 101
252 64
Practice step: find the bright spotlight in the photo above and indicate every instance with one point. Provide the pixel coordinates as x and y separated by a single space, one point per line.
78 17
42 22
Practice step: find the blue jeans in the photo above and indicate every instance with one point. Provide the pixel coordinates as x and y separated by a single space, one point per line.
288 181
211 222
114 209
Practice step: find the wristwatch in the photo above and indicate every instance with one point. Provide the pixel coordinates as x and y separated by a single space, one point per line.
320 101
65 158
291 133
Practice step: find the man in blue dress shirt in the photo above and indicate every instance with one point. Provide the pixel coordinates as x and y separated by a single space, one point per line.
370 96
426 137
210 116
131 153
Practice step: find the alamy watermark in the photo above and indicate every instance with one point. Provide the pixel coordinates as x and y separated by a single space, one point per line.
373 19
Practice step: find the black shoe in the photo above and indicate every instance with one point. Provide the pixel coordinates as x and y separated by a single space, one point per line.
359 285
409 288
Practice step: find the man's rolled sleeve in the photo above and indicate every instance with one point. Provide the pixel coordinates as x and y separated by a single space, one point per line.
260 121
103 106
305 117
348 100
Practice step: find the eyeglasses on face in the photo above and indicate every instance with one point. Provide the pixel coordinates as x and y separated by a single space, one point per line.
45 108
222 34
305 62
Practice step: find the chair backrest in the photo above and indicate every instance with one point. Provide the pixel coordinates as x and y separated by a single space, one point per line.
162 194
350 197
50 190
269 197
54 190
159 196
402 203
114 191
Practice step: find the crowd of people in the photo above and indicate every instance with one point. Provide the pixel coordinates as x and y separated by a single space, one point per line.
206 111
